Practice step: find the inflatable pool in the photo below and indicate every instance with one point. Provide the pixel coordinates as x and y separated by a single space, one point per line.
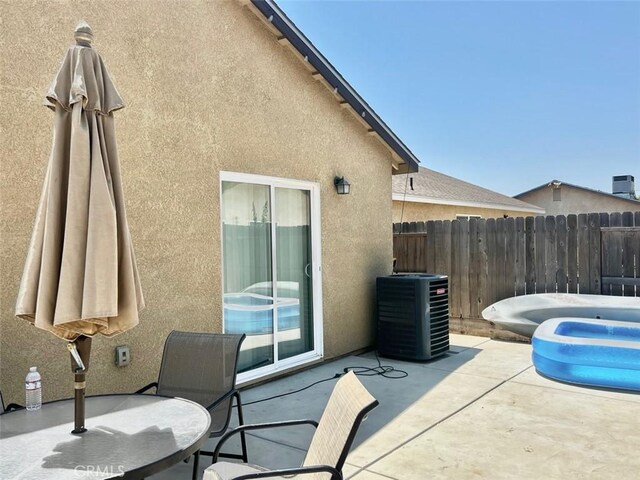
600 353
523 314
252 313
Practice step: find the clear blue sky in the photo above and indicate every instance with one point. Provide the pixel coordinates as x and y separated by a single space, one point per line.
505 95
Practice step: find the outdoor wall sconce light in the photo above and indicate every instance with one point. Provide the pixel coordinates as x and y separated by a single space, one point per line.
343 187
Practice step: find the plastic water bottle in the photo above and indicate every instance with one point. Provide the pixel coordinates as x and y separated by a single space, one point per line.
33 388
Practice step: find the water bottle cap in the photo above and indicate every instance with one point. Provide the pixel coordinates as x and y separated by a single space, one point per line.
33 369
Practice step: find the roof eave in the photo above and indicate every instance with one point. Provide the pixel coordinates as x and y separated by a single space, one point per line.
404 160
467 203
586 189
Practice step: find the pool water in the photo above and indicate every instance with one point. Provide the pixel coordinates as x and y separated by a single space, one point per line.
594 330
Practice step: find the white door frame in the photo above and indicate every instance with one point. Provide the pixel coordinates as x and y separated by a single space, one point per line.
314 192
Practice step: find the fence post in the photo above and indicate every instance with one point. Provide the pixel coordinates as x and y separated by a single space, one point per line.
483 266
455 309
561 253
583 254
511 257
551 267
572 253
631 249
530 257
465 260
594 254
430 254
491 252
521 265
540 255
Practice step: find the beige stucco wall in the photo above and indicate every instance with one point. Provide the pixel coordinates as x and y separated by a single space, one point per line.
208 88
576 200
421 212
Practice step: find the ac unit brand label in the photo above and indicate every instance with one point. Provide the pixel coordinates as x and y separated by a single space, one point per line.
440 291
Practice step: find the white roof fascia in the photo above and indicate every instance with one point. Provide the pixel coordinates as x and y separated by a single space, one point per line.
464 203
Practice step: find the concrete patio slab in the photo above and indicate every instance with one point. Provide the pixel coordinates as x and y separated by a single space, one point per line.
460 342
479 412
350 470
531 377
395 394
443 398
493 359
367 475
525 432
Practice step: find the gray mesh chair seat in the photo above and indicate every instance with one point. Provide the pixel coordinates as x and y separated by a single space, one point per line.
202 367
349 403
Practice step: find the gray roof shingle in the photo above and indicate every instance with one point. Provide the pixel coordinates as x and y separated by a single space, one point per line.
586 189
430 186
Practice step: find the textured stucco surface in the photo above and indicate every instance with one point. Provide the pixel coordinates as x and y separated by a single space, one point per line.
576 200
207 88
421 212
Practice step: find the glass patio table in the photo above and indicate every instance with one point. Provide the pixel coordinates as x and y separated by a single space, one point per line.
129 436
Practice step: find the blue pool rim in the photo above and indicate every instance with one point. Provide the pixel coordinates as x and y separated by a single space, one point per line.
605 353
252 314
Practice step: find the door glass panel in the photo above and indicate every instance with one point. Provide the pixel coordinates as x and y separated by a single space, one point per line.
293 272
247 271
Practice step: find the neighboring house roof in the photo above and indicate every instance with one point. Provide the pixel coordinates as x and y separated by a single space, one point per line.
430 186
558 183
321 69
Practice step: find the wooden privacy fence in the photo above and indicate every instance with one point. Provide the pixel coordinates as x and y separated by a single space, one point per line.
488 260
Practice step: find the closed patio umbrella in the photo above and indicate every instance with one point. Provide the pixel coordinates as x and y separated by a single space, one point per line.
80 277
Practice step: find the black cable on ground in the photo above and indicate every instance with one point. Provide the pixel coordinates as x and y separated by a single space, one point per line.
337 375
386 371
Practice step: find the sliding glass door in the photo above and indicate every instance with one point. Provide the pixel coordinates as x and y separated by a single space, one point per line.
271 270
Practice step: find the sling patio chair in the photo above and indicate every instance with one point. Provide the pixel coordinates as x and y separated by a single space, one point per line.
348 405
8 408
202 367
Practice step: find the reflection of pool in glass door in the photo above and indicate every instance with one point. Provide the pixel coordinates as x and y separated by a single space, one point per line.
268 270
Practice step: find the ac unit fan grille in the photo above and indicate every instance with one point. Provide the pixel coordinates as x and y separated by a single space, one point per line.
439 313
413 316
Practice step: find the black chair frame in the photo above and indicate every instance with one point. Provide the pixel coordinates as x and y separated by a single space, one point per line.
335 474
235 394
10 407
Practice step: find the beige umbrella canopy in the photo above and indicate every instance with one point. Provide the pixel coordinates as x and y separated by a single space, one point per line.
80 277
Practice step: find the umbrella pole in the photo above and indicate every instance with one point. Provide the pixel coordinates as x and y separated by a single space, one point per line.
79 388
80 351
